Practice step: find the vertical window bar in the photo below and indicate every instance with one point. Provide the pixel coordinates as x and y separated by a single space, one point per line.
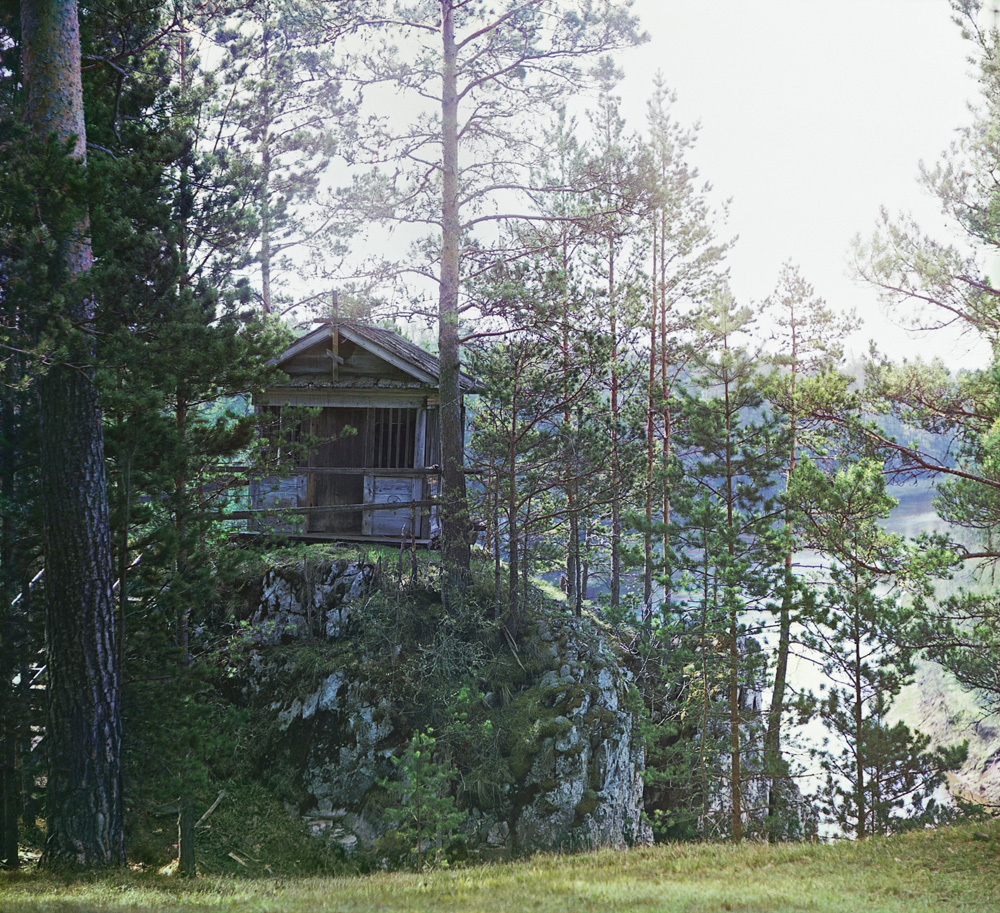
399 437
387 460
394 433
395 438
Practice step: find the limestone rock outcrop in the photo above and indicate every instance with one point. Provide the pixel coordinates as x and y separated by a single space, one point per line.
572 758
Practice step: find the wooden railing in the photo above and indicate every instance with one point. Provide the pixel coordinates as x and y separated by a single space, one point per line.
330 508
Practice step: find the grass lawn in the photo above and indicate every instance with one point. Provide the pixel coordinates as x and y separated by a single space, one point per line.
941 871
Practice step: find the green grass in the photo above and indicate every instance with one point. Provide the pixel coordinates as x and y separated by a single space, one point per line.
940 871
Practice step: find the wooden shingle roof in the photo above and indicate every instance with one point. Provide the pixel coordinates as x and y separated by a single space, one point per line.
384 344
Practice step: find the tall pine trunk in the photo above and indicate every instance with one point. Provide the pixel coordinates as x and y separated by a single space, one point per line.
665 391
10 797
455 524
860 796
616 476
647 575
735 758
574 598
513 553
83 724
774 765
265 179
11 713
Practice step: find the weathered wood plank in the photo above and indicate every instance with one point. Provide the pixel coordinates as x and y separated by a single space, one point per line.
331 508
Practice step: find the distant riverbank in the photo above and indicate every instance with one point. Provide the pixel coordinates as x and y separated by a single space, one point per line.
915 513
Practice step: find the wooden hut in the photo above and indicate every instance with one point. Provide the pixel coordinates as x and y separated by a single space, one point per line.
374 441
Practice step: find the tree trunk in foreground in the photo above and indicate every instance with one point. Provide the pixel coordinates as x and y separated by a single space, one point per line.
83 724
186 866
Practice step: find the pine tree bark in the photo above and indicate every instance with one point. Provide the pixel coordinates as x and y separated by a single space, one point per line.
186 866
860 795
513 556
265 180
455 549
10 799
647 575
83 725
735 758
9 709
773 762
665 388
574 598
616 516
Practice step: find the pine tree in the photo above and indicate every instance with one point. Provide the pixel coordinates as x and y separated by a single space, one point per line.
521 438
84 808
729 469
859 632
807 338
276 113
931 282
685 680
619 201
476 74
169 344
686 267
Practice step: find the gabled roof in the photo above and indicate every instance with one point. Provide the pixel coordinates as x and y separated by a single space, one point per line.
384 344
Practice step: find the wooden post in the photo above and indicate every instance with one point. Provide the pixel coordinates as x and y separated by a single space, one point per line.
185 840
335 336
413 544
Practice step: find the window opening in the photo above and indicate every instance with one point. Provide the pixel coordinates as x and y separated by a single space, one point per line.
395 437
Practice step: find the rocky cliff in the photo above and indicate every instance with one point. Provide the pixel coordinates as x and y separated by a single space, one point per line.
539 737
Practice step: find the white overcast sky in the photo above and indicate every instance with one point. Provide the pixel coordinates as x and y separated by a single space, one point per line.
814 113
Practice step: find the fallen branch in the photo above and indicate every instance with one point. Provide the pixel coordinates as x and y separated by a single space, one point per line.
211 808
513 649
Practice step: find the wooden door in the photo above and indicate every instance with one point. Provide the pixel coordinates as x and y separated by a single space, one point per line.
341 436
391 490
